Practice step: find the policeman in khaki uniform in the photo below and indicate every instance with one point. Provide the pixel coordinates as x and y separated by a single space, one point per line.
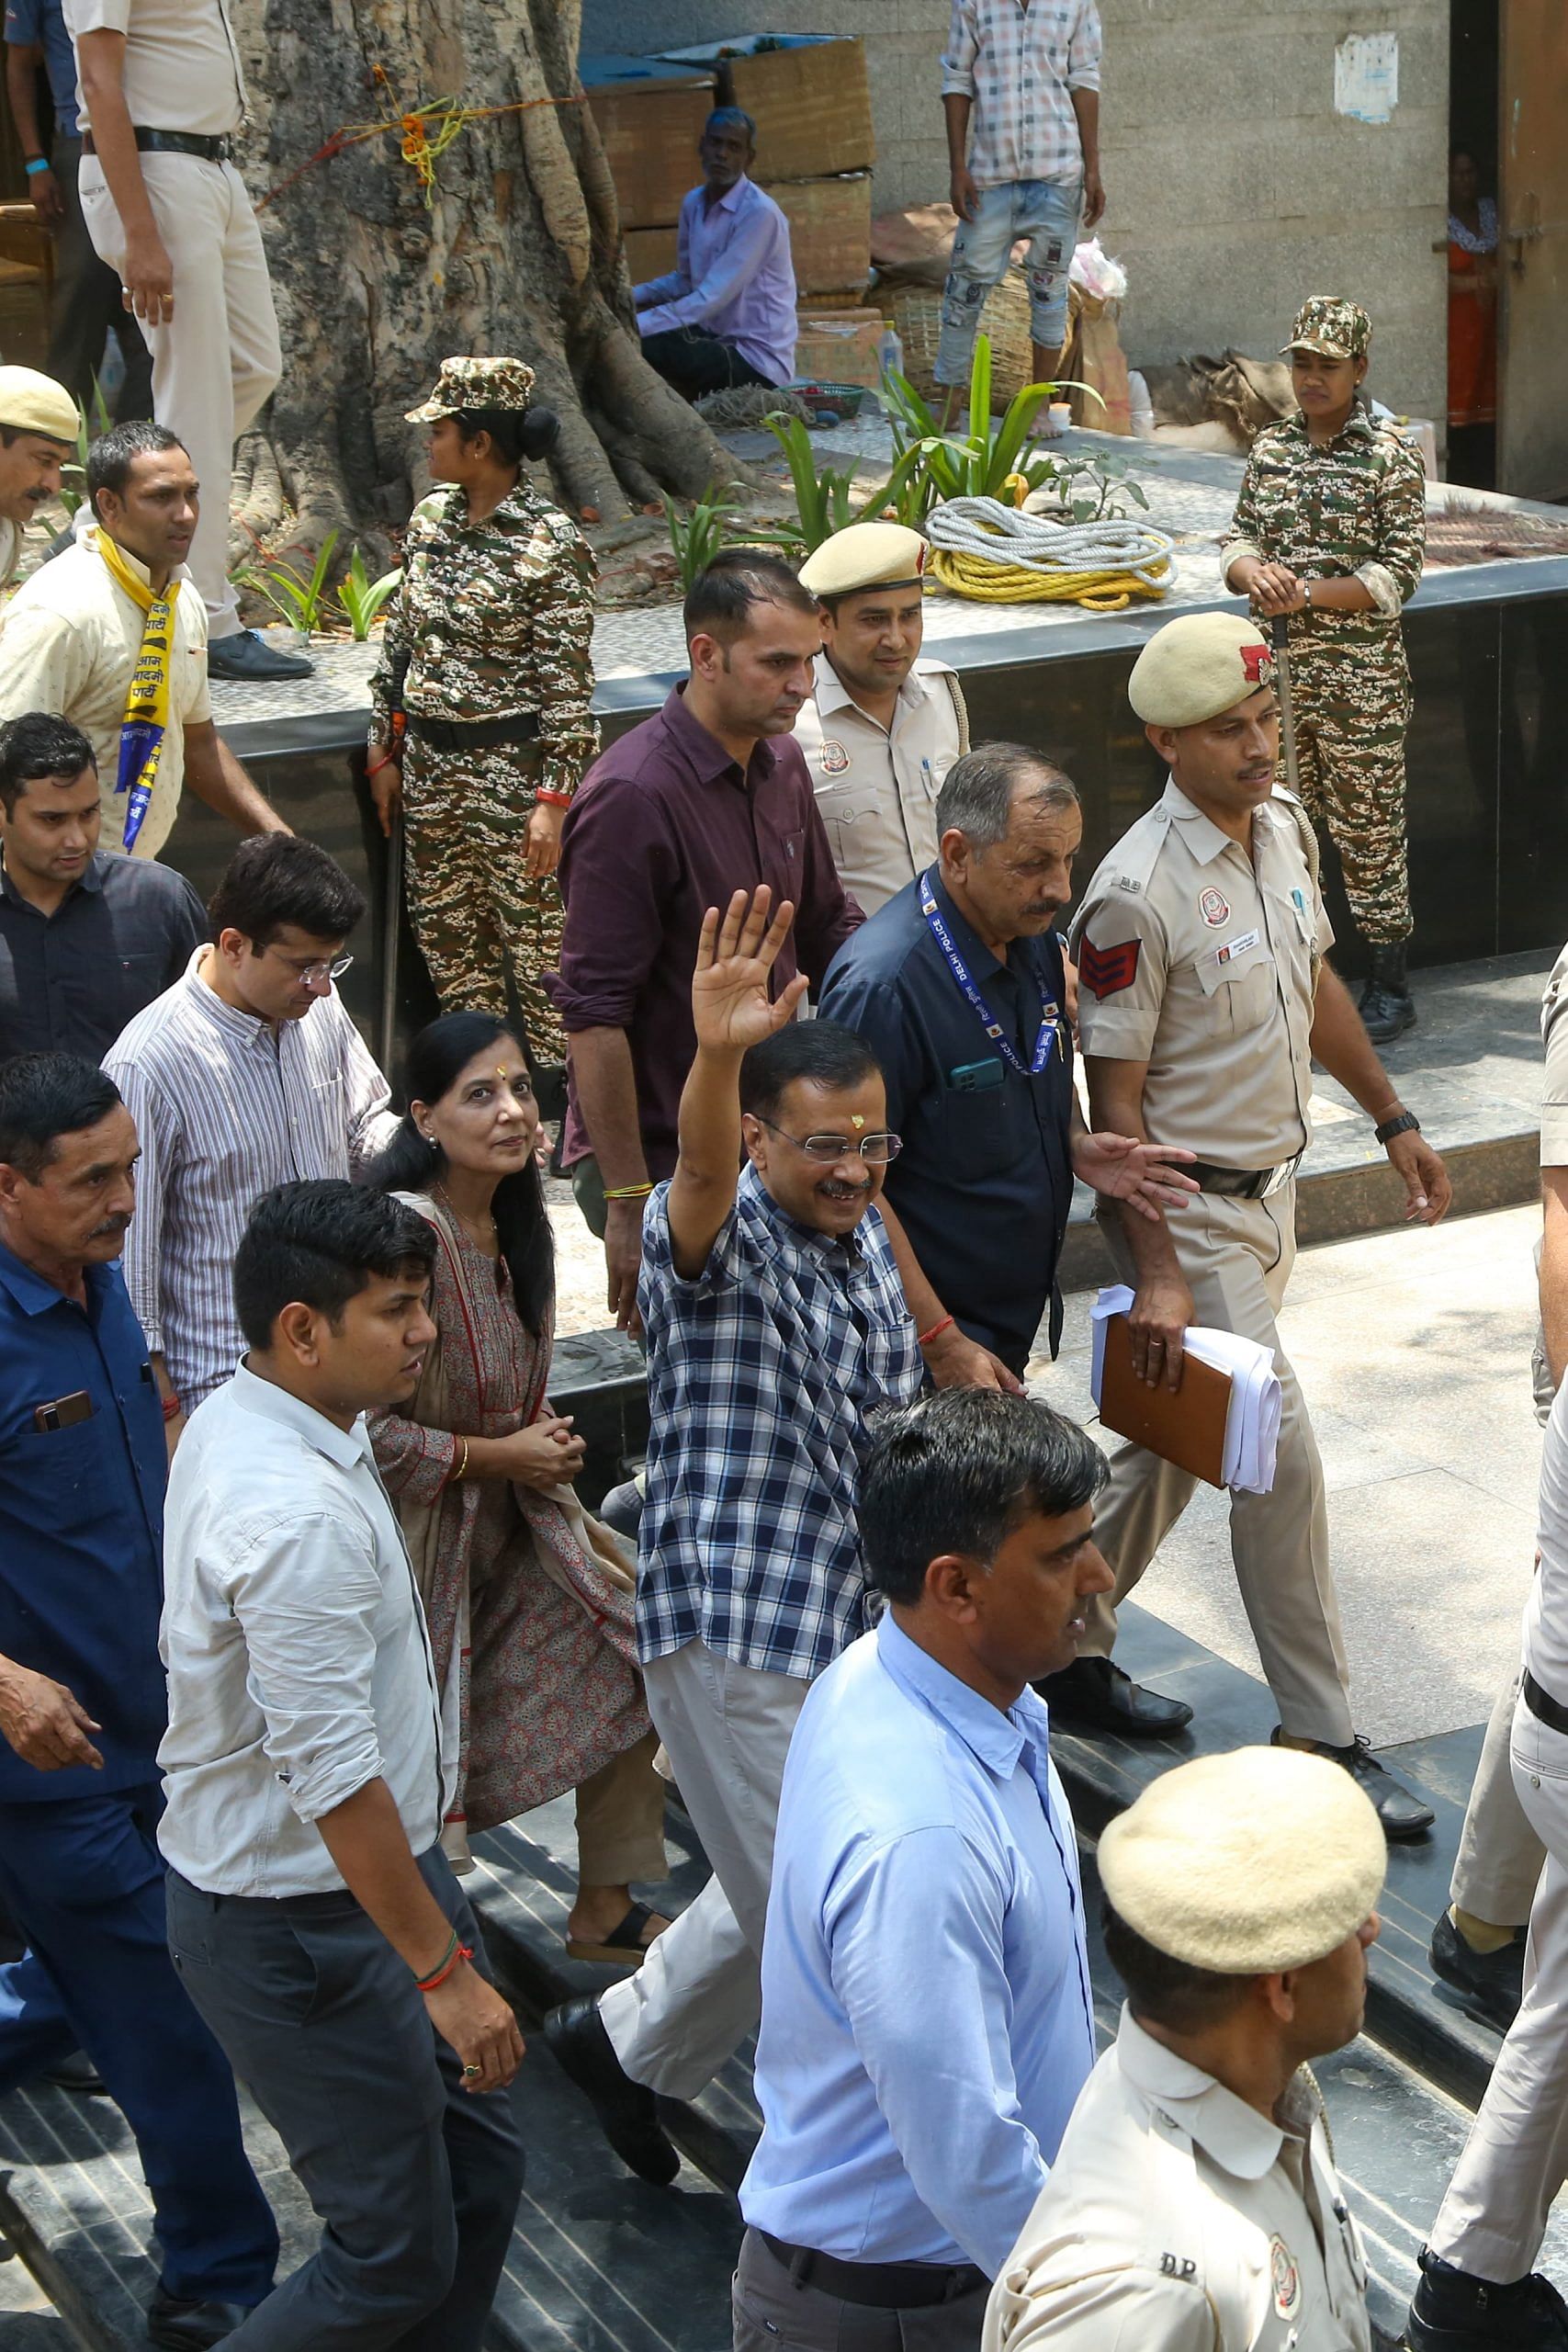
884 726
1204 998
1193 2206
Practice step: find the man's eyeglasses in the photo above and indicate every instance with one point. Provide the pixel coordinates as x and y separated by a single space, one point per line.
875 1150
312 974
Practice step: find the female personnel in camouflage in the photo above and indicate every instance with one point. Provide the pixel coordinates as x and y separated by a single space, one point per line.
487 654
1331 528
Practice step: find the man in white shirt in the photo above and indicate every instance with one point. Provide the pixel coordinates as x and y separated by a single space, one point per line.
724 315
160 96
1194 2202
314 1919
247 1073
71 636
884 725
37 431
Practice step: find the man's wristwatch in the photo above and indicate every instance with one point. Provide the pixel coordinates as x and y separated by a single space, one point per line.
1407 1124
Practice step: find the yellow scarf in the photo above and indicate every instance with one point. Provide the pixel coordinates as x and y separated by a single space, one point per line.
146 717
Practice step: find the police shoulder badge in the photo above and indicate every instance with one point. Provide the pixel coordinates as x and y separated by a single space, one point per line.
1284 2279
833 758
1214 908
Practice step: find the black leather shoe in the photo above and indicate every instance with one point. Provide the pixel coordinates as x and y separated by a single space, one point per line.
1492 1983
626 2111
1386 1008
1454 2312
1402 1814
1093 1694
77 2074
191 2328
248 658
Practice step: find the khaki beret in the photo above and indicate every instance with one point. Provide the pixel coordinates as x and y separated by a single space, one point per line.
33 403
866 555
1262 1859
1195 667
475 383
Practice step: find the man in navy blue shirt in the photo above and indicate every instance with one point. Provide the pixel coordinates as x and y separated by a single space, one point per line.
957 987
82 1705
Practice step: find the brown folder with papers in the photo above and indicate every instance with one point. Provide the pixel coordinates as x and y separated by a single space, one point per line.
1187 1429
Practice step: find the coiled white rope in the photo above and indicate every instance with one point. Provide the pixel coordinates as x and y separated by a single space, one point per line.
1000 555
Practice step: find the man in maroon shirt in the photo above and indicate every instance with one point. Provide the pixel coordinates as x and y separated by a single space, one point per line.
709 797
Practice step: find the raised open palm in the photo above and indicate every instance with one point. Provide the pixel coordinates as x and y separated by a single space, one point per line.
730 1006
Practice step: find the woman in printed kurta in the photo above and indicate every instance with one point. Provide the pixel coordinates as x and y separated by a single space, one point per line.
487 654
528 1601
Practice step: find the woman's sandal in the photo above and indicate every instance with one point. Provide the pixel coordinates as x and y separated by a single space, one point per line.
624 1947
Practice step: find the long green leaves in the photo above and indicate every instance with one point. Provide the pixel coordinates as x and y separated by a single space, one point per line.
822 494
298 598
362 598
697 537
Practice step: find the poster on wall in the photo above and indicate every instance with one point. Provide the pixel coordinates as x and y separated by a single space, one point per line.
1365 76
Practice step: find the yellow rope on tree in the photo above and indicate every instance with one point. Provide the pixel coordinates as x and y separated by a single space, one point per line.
985 582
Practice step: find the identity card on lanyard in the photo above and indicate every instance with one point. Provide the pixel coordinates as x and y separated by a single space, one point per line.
1050 1017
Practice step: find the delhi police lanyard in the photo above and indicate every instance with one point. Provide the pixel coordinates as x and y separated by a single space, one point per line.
1050 1018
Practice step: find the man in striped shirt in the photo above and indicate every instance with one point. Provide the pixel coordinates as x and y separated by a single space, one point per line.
1021 91
245 1074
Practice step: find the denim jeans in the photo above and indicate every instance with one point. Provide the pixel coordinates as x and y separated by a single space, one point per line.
1047 213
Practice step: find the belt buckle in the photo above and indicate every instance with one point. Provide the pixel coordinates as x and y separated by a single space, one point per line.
1280 1176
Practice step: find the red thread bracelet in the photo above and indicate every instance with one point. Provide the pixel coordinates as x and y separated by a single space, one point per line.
429 1984
171 1408
924 1338
554 800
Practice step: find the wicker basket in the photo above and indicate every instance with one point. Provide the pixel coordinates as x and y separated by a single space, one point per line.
916 314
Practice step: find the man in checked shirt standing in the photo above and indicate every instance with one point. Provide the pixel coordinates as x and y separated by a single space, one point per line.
776 1325
1021 91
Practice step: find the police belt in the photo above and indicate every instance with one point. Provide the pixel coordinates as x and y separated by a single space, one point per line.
1241 1183
175 143
876 2285
474 734
1543 1705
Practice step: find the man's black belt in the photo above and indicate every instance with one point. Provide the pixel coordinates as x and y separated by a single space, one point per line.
1241 1183
175 143
877 2286
474 734
1543 1705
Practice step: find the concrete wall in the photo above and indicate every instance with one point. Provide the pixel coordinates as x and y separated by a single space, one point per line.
1235 189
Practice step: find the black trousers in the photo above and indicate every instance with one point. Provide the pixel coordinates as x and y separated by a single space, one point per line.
416 2181
695 362
87 303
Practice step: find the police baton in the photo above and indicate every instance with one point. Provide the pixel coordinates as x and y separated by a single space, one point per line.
1280 634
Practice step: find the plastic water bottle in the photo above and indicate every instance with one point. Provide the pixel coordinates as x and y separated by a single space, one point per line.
889 352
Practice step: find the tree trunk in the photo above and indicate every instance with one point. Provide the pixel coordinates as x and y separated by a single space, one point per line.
519 252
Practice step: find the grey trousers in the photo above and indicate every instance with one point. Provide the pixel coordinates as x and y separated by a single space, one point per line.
415 2180
771 2309
1500 1855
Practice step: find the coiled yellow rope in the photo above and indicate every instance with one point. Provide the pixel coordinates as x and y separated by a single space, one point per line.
1102 566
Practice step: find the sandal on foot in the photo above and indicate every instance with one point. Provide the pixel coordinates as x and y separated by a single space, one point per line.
624 1947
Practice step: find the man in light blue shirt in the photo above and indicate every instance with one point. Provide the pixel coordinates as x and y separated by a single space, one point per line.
724 315
927 2022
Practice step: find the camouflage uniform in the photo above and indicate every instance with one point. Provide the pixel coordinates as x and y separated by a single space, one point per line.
493 619
1357 506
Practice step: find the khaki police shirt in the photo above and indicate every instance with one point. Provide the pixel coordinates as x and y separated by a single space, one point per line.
68 639
1554 1097
1178 2218
877 790
1203 961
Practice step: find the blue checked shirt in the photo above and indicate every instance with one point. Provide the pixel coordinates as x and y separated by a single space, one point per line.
761 1373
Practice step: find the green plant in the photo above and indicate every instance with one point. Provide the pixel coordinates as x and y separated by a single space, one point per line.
822 494
696 538
1090 489
296 596
931 466
362 598
71 498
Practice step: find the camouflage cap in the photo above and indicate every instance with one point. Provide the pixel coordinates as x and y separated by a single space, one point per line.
1332 326
475 383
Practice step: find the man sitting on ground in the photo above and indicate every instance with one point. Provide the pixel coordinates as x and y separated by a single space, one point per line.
725 314
113 634
85 939
882 2179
